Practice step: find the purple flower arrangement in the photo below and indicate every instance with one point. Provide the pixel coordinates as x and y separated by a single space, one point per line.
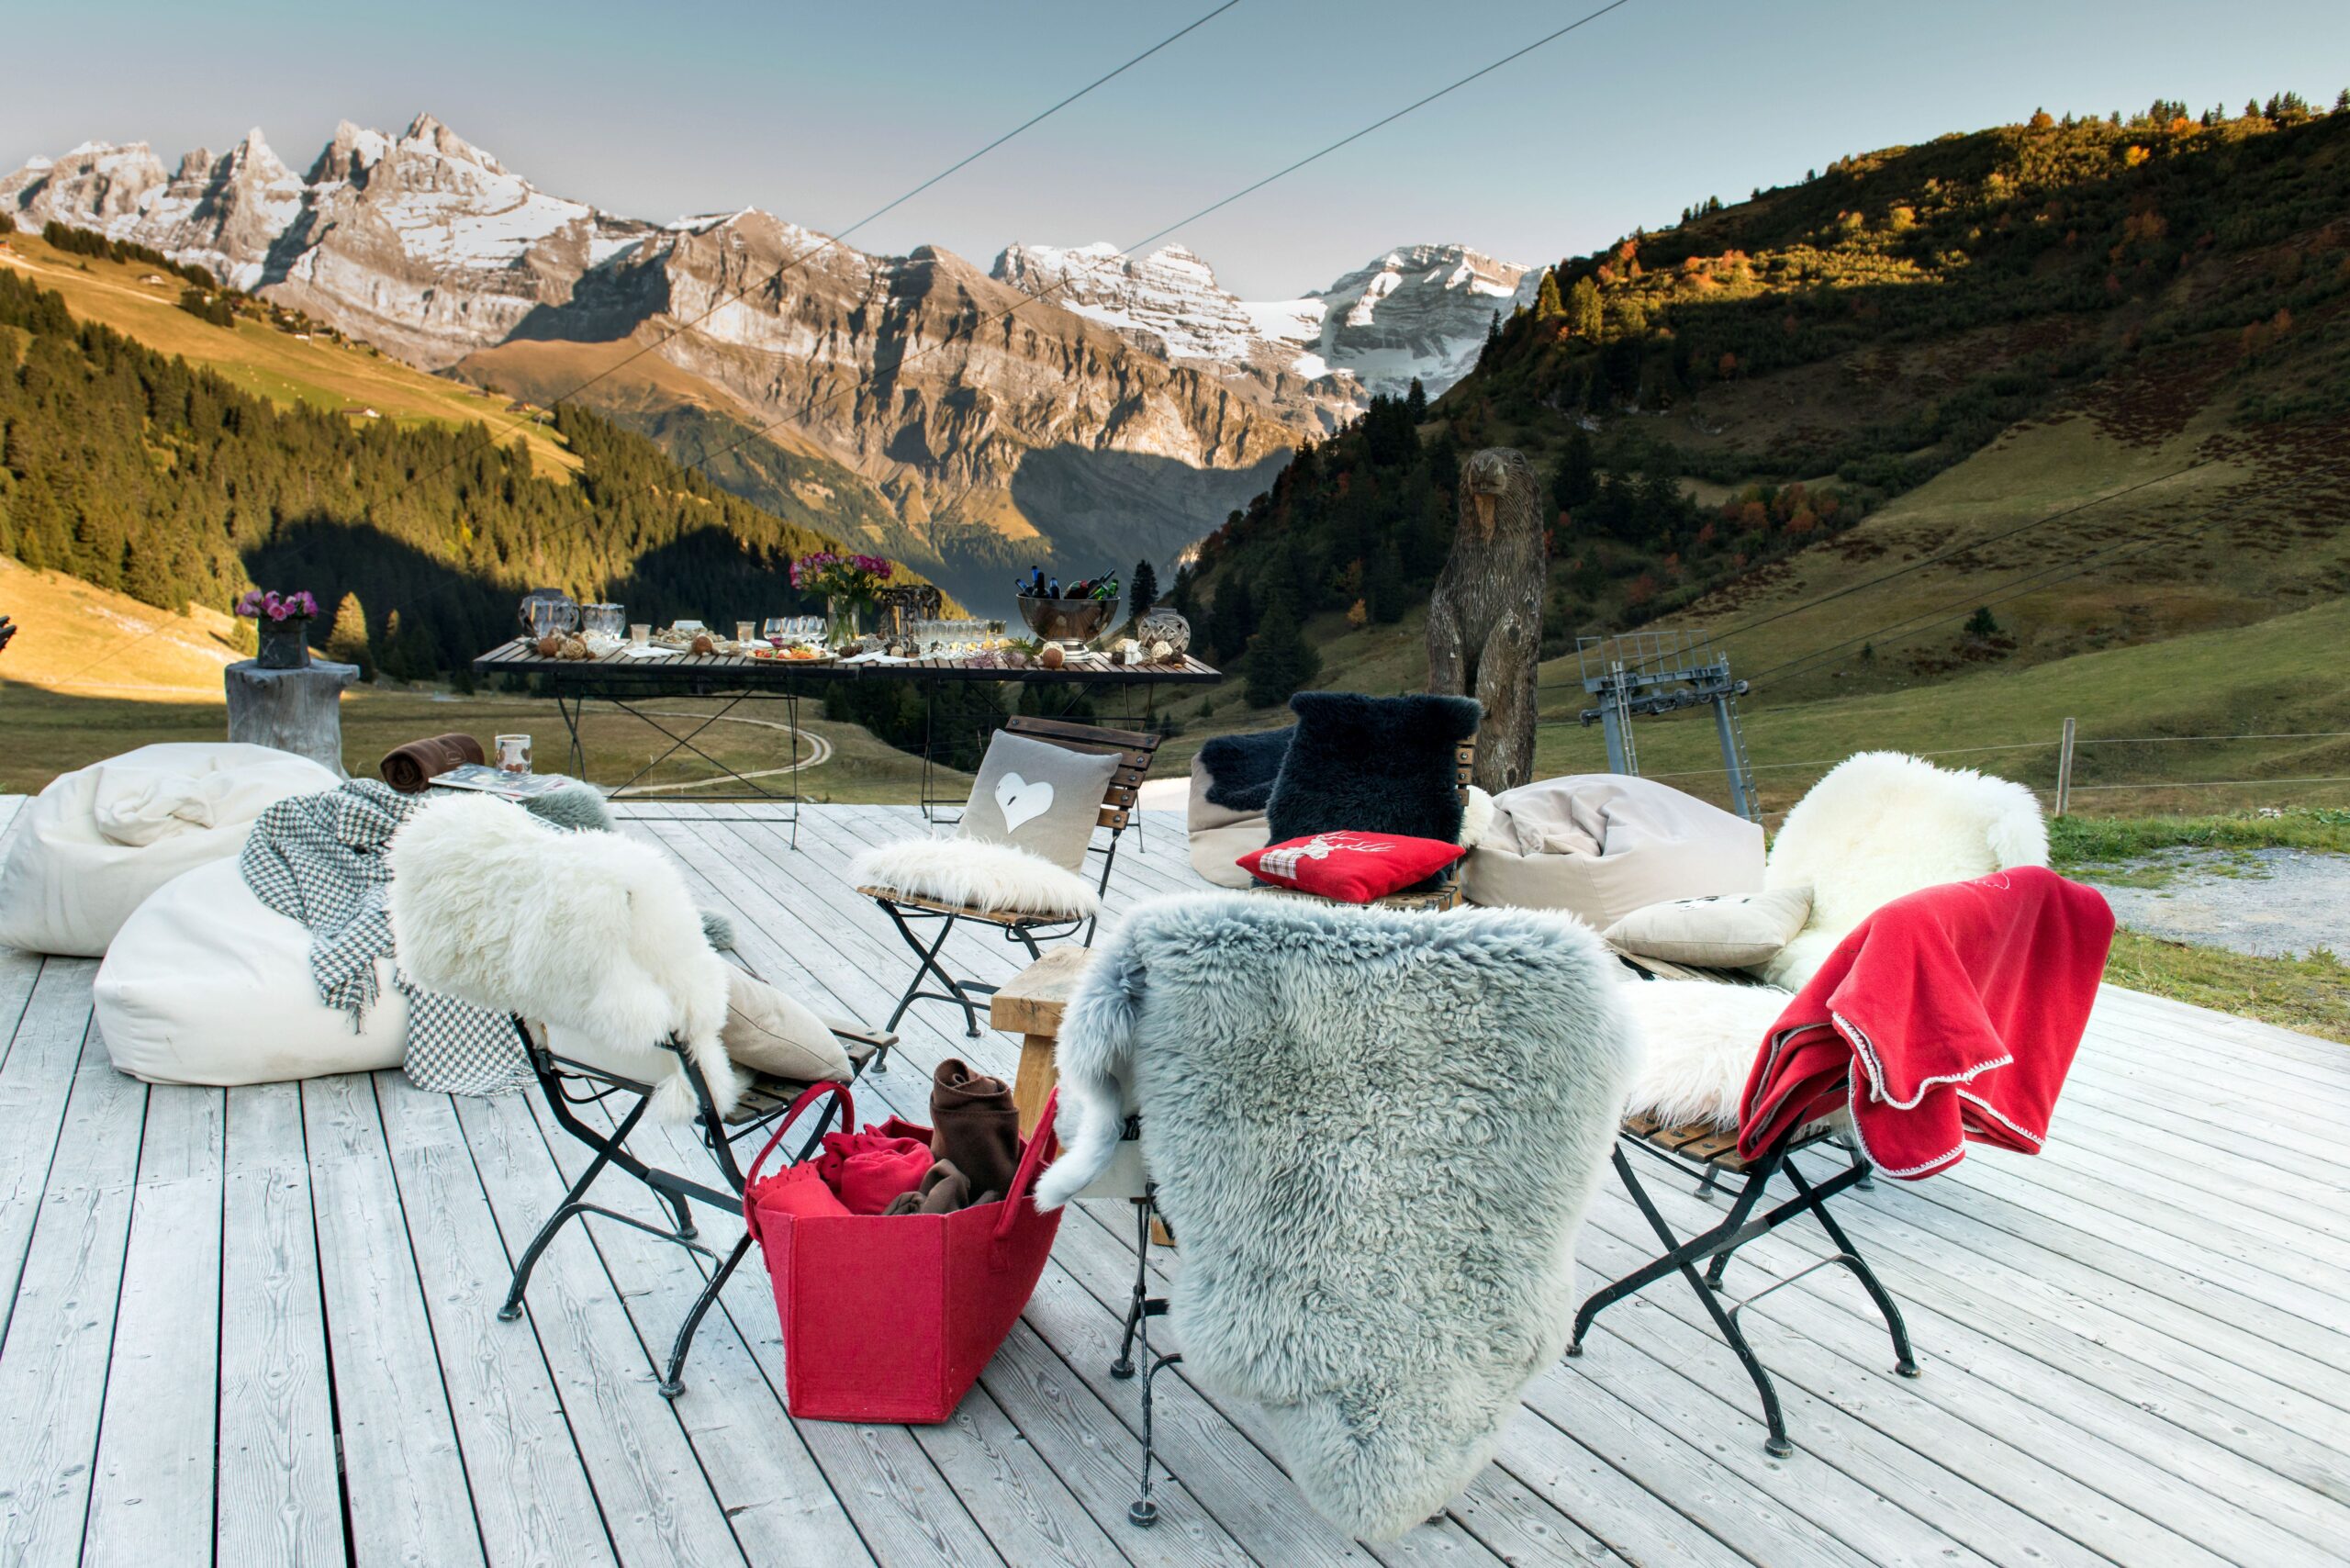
276 608
836 576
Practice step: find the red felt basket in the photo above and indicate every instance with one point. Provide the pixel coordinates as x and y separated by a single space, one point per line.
892 1317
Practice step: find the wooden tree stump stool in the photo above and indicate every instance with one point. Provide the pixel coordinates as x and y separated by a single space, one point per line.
294 710
1030 1006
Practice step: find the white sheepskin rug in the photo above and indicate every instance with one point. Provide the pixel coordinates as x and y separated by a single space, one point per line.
1476 818
998 878
1376 1133
586 931
1697 1043
1883 824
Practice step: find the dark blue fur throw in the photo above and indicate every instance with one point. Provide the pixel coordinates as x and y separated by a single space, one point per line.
1241 768
1371 765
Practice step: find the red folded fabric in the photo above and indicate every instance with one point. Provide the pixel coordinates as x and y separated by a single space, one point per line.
870 1168
798 1190
1950 1015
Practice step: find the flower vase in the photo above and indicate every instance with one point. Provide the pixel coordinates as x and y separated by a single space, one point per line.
284 645
841 620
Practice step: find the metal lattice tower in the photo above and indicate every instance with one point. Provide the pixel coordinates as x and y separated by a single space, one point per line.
1662 672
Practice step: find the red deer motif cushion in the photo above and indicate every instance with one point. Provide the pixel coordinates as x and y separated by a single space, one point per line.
1353 868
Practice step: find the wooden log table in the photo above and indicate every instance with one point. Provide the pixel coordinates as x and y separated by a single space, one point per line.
1030 1006
294 710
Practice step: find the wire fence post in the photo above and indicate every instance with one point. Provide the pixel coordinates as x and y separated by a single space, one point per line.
2065 769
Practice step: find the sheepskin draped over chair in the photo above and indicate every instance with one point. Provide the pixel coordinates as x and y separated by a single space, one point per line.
1362 764
98 840
1376 1133
590 933
1883 824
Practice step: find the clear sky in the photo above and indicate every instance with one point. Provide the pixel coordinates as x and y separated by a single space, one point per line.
823 112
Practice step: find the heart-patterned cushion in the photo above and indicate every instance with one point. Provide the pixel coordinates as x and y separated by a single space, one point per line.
1038 797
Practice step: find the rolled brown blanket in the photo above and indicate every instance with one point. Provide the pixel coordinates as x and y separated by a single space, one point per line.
410 767
975 1126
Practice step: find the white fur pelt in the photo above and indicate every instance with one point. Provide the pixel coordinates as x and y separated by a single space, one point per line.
1883 824
1698 1039
1476 818
588 932
999 878
1377 1133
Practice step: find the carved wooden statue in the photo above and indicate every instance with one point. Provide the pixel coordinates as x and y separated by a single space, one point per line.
1486 617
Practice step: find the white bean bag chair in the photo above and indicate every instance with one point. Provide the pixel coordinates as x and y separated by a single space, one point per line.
100 839
1882 824
1602 844
1220 835
207 984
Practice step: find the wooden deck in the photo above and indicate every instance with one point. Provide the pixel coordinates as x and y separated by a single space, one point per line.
258 1326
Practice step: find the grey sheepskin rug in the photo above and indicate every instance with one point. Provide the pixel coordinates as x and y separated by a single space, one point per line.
1371 765
1241 768
1376 1133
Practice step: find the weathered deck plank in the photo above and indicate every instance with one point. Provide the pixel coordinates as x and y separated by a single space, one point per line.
2133 1344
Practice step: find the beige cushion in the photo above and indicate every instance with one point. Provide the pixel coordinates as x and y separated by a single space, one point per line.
1602 844
1037 797
1714 933
768 1031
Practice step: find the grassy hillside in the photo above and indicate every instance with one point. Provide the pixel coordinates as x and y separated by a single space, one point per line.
142 471
315 372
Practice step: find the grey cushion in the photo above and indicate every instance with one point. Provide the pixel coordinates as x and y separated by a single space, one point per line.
1720 933
768 1031
1038 797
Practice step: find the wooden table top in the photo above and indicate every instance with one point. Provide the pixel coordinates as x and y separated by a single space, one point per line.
1032 1002
519 657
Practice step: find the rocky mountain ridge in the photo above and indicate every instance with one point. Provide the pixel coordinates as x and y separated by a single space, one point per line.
1127 418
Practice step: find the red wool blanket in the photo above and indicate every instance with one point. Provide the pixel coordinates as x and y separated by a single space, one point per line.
1949 1014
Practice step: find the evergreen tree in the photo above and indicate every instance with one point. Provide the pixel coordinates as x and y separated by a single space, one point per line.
1142 590
1547 304
347 637
1416 403
1577 479
1281 661
1584 314
1383 586
1493 338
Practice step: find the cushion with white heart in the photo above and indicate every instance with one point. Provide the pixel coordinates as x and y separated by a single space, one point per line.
1353 868
1038 797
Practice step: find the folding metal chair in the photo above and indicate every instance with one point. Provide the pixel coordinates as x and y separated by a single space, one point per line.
1705 1152
1134 749
570 1085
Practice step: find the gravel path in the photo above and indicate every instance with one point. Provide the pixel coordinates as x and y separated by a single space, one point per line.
2269 902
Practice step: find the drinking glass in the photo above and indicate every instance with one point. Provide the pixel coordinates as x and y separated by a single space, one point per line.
513 754
640 633
745 630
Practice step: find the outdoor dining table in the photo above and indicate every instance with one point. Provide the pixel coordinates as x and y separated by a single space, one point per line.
629 682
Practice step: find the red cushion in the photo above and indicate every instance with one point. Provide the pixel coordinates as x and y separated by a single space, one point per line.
1354 868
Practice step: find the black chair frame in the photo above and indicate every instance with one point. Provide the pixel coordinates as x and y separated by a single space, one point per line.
569 1085
1713 1247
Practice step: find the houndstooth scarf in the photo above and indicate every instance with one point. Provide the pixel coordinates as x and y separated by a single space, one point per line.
319 859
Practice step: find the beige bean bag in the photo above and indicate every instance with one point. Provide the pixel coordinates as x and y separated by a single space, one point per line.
1220 835
1602 844
99 840
207 984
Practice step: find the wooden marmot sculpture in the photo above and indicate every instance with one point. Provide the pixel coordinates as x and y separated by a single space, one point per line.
1485 617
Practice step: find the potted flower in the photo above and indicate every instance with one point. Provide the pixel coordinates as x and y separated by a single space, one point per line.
283 621
849 584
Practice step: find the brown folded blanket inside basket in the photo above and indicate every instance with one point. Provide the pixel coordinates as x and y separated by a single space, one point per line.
410 767
976 1128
